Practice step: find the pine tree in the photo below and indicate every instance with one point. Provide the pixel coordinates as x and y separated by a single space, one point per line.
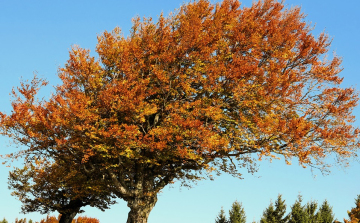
237 213
280 210
297 214
310 210
268 214
325 213
275 215
4 221
221 218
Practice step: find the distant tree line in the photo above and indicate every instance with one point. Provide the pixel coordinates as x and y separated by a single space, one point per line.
53 219
311 212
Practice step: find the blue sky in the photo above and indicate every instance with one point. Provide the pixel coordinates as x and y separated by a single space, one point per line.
36 36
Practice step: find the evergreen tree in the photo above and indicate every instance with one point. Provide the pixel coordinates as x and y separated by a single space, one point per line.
280 210
268 214
298 213
310 210
30 221
221 218
275 215
325 213
237 213
4 221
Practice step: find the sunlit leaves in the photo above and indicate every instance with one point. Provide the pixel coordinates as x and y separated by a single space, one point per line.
199 89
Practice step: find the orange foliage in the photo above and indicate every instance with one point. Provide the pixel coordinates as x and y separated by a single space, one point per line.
22 220
190 94
80 219
354 215
84 219
207 80
50 219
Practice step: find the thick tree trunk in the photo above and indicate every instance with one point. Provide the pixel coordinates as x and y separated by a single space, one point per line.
67 217
140 209
70 210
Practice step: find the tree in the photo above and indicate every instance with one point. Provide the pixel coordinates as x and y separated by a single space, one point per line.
311 215
307 213
268 214
237 213
275 215
325 213
48 187
298 213
80 219
197 92
21 220
221 218
354 214
84 219
50 219
280 210
4 221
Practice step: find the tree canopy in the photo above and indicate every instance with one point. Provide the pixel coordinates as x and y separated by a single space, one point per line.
198 91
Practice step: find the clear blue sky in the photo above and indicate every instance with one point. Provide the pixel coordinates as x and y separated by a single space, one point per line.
36 36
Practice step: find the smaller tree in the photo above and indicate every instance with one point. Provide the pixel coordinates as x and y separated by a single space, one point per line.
237 213
354 214
4 221
275 215
310 210
21 220
46 187
50 219
80 219
84 219
297 213
280 210
268 214
325 213
221 218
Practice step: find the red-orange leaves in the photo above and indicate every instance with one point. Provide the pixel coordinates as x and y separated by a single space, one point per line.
199 89
80 219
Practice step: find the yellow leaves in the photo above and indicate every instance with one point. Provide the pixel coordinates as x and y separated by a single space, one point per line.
129 153
147 110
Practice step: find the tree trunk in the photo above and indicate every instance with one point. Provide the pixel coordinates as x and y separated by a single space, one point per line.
140 209
67 217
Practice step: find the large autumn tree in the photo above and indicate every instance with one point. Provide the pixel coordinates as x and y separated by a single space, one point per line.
198 91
